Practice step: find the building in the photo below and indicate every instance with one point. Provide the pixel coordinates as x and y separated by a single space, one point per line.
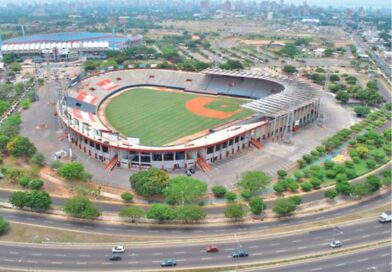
280 106
66 46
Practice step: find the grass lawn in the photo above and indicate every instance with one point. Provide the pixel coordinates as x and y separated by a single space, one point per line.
160 117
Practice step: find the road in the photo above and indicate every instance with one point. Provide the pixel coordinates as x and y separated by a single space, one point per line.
373 260
185 231
95 258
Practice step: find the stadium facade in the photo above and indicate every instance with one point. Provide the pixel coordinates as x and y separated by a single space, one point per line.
66 46
280 106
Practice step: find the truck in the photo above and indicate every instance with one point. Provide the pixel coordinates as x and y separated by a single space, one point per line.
385 217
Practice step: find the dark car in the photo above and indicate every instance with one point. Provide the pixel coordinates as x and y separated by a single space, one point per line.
115 257
212 248
168 262
240 253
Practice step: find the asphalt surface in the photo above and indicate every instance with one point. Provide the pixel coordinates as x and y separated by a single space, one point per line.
96 258
159 230
373 260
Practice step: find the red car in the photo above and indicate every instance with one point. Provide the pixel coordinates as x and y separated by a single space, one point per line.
213 248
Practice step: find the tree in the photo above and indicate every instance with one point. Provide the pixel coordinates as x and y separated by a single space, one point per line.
21 147
362 111
132 213
296 199
127 196
38 159
25 103
254 181
190 213
73 171
4 225
230 196
289 50
331 194
306 186
36 184
292 185
82 207
19 199
343 188
39 200
231 65
257 205
24 181
161 212
219 191
280 187
184 190
282 173
15 67
374 183
150 182
334 78
342 96
315 182
234 211
361 189
283 207
289 69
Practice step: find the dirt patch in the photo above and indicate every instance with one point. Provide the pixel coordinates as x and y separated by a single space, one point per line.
196 106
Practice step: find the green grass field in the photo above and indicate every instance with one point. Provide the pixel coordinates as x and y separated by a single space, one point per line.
160 117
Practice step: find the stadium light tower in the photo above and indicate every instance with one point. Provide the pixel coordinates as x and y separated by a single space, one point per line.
112 24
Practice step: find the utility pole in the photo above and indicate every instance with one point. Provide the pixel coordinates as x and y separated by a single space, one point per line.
321 107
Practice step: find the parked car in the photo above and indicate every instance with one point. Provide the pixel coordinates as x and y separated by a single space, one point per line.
212 248
239 253
335 244
118 249
115 257
168 262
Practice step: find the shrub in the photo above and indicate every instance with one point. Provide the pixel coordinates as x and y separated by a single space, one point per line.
371 164
299 175
341 177
330 173
282 173
315 154
319 175
24 181
73 171
82 207
351 173
234 211
349 164
279 187
38 159
230 196
307 158
296 199
330 194
4 225
161 212
343 188
284 207
356 159
246 195
339 169
292 186
127 196
315 183
329 164
257 205
56 164
374 183
320 149
307 173
36 184
301 163
315 168
219 191
306 186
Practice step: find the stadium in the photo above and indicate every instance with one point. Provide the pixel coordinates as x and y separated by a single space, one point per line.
66 46
140 118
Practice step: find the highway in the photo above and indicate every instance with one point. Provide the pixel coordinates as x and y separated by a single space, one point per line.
94 258
158 230
373 260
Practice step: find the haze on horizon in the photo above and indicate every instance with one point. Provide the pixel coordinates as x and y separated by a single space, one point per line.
374 4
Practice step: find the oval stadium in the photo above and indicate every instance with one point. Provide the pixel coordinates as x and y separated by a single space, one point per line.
141 118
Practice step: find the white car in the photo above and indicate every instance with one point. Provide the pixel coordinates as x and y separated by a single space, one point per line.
118 249
335 244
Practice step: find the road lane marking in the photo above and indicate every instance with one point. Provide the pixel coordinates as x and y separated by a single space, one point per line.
206 258
84 256
153 231
179 252
81 263
9 260
363 260
366 236
257 254
134 262
13 253
106 263
56 262
357 230
133 254
36 254
60 255
181 260
340 264
316 269
385 232
386 254
253 247
296 241
280 251
275 244
31 261
156 254
228 249
302 247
